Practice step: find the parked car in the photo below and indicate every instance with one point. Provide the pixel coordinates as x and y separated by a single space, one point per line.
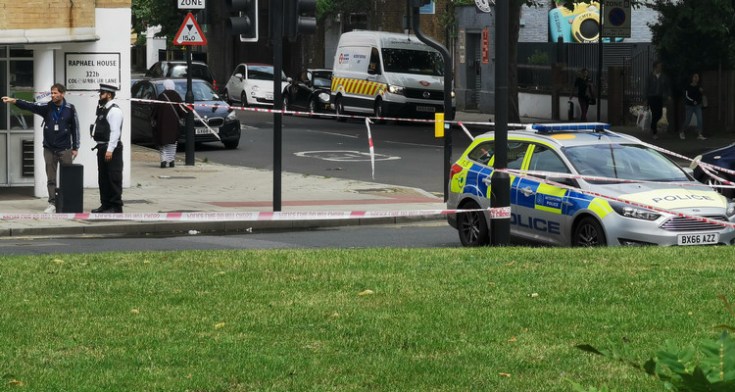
252 84
208 105
177 69
560 202
723 157
310 92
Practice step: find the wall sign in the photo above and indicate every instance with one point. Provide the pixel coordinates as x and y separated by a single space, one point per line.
485 46
85 71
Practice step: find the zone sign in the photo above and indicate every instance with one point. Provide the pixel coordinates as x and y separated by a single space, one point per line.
191 4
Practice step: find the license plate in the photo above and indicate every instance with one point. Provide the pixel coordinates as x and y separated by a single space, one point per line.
427 109
698 239
201 131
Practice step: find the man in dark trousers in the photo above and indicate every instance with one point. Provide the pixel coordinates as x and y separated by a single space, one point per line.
60 135
657 94
106 131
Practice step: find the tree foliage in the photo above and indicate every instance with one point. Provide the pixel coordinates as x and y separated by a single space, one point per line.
694 35
157 12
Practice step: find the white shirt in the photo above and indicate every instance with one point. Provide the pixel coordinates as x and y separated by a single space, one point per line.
115 118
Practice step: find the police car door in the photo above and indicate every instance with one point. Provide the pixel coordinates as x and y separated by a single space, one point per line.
539 205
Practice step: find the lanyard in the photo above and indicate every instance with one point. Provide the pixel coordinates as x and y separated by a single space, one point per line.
57 112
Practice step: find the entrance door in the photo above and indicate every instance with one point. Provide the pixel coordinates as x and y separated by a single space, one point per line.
16 126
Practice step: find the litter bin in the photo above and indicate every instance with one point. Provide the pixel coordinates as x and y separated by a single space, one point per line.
70 189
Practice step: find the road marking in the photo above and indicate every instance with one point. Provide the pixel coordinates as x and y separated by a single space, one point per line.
344 156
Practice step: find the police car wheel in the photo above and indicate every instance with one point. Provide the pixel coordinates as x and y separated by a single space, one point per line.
589 233
472 227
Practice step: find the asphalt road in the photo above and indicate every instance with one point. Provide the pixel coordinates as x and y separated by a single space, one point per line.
433 234
405 154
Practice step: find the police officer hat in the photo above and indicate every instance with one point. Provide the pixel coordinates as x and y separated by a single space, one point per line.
108 88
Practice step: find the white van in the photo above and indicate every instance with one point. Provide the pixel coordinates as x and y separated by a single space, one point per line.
387 75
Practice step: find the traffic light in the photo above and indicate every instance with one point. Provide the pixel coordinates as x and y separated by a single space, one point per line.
299 17
245 24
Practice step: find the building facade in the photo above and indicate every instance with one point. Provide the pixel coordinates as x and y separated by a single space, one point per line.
80 44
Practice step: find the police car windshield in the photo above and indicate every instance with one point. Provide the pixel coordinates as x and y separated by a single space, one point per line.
420 62
623 161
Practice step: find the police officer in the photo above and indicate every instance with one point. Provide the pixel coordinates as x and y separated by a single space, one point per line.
106 131
60 134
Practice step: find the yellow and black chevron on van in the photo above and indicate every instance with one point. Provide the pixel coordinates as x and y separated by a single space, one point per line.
365 88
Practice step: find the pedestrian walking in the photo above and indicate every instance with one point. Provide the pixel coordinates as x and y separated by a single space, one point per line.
167 118
658 91
693 106
60 135
106 131
585 96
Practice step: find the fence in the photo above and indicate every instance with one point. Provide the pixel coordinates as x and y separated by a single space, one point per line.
535 60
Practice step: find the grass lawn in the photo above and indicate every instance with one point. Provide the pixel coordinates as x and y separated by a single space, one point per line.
353 320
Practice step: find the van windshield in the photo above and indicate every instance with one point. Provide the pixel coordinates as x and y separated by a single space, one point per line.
420 62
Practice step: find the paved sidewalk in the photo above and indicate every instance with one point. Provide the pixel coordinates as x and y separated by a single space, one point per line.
216 188
221 189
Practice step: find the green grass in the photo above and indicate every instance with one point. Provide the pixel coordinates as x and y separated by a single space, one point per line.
294 320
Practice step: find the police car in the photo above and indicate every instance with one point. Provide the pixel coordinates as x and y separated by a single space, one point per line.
582 185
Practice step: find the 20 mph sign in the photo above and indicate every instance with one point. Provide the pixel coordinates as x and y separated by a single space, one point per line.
616 21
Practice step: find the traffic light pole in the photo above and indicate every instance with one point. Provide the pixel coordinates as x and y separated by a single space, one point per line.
189 98
500 181
276 19
416 24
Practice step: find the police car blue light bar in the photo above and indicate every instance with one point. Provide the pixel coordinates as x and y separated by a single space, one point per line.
568 127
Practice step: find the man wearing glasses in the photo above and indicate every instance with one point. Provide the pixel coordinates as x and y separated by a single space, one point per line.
106 131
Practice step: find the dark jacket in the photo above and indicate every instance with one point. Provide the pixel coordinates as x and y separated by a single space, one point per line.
693 95
166 116
65 116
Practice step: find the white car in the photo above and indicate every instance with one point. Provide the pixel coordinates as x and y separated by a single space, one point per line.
252 84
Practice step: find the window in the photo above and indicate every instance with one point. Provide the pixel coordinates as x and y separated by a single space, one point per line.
374 65
545 159
483 152
516 153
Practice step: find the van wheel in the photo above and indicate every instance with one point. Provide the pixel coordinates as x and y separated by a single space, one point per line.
340 109
588 233
379 111
472 226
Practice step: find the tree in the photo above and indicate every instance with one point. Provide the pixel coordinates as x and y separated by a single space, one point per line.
156 12
694 36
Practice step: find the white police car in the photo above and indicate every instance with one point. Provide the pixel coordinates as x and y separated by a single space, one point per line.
582 185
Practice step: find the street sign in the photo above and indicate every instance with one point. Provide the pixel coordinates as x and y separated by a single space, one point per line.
191 4
616 21
190 33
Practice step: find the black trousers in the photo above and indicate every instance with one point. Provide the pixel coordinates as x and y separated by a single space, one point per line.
656 103
109 177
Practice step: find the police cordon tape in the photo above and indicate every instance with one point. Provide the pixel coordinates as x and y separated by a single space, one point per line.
495 213
529 175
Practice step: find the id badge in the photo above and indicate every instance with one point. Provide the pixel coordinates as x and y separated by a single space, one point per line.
56 127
